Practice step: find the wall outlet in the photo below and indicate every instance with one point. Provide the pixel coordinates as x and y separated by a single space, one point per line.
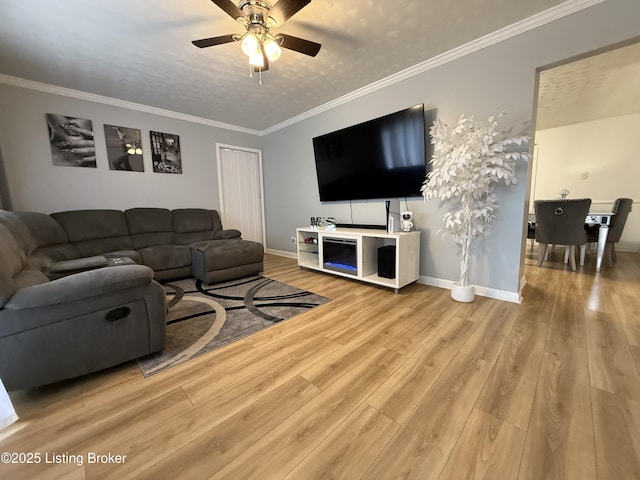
293 239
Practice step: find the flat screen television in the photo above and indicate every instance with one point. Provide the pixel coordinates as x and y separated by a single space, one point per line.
378 159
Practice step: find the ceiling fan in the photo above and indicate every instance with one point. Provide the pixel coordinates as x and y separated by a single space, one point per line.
258 17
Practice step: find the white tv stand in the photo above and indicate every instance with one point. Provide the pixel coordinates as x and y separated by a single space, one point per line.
407 253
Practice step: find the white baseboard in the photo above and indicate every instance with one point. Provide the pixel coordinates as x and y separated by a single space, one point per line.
282 253
628 247
513 297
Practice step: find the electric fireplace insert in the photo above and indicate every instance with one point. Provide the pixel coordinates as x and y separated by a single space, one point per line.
340 255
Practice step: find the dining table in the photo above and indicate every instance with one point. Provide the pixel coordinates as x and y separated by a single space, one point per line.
603 219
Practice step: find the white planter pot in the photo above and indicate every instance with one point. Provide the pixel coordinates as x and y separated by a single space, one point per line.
462 294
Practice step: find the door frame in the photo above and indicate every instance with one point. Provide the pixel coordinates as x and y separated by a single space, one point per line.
219 148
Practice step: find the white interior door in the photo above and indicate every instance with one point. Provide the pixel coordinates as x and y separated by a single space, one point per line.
240 186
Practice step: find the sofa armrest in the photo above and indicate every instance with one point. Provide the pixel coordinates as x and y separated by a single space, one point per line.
227 234
80 286
79 264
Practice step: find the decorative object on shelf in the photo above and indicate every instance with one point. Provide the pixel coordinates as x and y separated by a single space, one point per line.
327 223
257 43
71 140
468 161
165 152
406 222
124 148
563 193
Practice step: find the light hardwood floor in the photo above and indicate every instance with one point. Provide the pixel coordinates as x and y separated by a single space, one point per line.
373 385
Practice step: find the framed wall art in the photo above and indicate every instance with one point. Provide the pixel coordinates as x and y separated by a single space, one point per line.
165 152
124 148
71 140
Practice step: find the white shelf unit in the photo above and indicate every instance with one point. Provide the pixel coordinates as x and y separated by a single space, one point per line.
407 258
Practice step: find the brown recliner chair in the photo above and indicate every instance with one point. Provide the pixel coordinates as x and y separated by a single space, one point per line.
51 330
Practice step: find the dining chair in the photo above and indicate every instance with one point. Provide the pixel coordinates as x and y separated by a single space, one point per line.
621 208
561 222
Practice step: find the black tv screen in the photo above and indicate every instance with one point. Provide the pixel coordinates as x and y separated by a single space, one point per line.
378 159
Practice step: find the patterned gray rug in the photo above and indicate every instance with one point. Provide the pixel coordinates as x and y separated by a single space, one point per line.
202 318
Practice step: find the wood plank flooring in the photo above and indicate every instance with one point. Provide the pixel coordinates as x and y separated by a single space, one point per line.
373 385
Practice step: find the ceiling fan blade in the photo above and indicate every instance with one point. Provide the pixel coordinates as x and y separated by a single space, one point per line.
285 9
298 44
210 42
229 7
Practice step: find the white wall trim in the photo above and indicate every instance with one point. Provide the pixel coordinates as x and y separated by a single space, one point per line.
513 297
114 102
555 13
282 253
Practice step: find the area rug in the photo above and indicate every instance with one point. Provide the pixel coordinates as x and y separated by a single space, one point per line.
203 317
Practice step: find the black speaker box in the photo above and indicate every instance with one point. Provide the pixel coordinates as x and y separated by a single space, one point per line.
387 261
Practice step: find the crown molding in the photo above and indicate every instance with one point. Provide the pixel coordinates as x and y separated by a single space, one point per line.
114 102
555 13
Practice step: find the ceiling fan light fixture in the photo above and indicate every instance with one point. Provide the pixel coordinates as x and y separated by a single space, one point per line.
272 49
250 44
258 16
256 59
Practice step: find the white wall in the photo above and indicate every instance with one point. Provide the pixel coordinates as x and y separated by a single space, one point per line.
598 160
485 82
36 184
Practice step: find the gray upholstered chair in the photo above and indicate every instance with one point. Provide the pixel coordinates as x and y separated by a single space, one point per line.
621 208
561 222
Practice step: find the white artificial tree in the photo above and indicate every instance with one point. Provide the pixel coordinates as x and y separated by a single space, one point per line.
468 161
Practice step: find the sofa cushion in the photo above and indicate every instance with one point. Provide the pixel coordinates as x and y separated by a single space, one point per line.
19 230
222 254
150 226
166 257
149 220
95 231
57 253
52 244
13 259
29 277
45 230
192 225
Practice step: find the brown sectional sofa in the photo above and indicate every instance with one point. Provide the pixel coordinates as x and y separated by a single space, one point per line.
77 288
167 241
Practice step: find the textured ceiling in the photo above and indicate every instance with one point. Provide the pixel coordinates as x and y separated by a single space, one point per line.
600 86
140 50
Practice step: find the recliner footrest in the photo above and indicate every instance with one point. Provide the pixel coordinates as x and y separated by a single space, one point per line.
220 260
